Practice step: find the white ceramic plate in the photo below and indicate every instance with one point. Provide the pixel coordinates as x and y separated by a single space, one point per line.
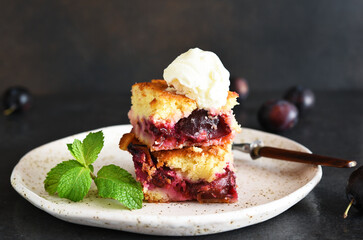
266 188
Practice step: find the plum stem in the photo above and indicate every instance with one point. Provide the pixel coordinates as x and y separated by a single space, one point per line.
347 210
9 111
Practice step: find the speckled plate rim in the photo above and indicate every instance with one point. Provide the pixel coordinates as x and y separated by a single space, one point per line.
265 211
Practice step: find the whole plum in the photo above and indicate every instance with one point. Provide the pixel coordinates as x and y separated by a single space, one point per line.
354 190
302 98
16 99
240 85
278 115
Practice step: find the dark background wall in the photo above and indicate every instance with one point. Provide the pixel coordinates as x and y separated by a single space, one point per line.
106 46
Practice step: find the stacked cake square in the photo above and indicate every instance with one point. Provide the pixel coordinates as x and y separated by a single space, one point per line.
181 152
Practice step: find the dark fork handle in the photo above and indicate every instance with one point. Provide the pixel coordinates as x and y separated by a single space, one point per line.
302 157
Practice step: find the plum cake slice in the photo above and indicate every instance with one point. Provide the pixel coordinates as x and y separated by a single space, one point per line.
165 120
205 174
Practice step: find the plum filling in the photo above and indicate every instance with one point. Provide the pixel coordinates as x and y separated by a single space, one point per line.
177 188
200 123
199 128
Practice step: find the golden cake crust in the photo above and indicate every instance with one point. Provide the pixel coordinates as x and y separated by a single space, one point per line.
197 163
155 196
155 100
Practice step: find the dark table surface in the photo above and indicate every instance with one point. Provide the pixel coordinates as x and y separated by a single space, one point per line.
334 127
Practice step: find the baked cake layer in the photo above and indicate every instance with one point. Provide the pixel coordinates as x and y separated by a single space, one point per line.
157 101
164 120
204 174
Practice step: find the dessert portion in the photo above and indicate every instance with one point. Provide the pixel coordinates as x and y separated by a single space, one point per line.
182 132
204 174
163 119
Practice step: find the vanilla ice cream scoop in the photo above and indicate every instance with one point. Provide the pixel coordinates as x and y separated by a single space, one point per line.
201 76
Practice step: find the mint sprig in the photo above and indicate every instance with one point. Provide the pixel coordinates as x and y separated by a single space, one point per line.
72 179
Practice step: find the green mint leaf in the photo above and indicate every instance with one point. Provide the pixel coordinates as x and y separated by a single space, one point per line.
54 175
76 149
70 148
75 183
92 146
115 182
91 168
